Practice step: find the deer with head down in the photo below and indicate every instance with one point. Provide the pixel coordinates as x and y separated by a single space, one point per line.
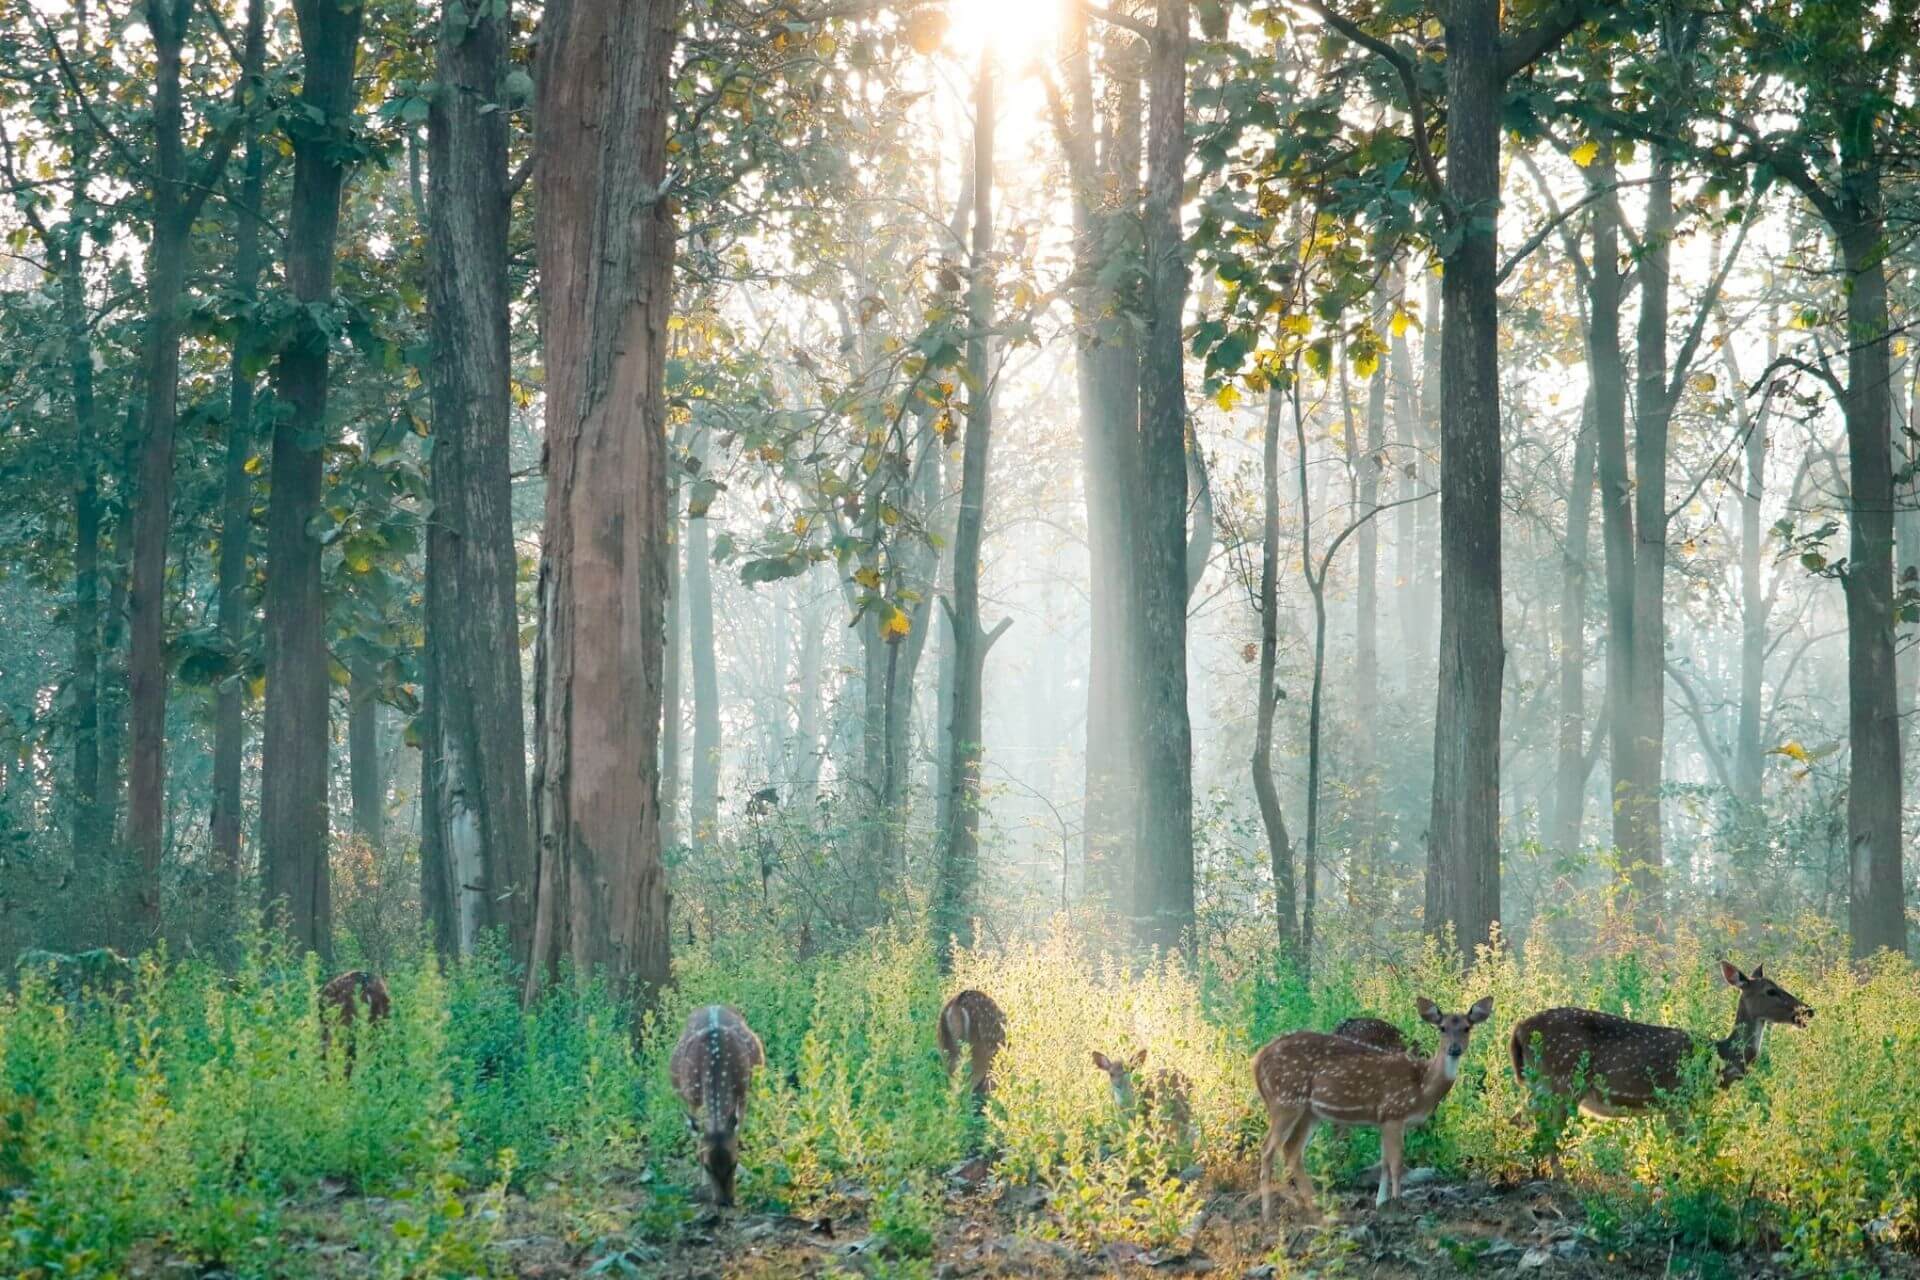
1611 1066
972 1023
1165 1096
711 1068
1308 1078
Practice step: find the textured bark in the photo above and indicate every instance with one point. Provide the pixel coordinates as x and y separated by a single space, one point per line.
476 825
959 865
293 794
236 532
1653 415
365 783
1570 767
1463 869
672 693
1272 817
1876 907
1164 910
605 242
92 801
703 817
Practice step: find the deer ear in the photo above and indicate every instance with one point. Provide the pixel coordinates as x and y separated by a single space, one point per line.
1734 977
1100 1061
1481 1011
1429 1011
1760 971
1139 1060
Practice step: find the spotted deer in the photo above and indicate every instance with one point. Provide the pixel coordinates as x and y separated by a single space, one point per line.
1165 1097
1377 1032
1611 1066
1308 1078
971 1021
711 1068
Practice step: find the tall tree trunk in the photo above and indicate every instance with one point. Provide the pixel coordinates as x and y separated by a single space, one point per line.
1420 590
1876 910
1406 482
365 783
703 819
959 866
1366 672
1570 768
1654 411
92 802
293 797
806 739
1164 730
476 818
236 531
672 693
1272 817
1463 869
605 241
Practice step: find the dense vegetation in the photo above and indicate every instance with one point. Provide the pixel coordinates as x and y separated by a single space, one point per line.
1194 517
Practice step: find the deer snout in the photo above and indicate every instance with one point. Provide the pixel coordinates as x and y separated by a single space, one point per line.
1803 1015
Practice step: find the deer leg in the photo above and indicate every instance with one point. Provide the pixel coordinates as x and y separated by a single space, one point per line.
1295 1152
1279 1125
1391 1137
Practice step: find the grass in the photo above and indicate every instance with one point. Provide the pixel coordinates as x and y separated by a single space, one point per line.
185 1118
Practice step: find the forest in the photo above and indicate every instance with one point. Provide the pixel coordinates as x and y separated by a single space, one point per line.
910 639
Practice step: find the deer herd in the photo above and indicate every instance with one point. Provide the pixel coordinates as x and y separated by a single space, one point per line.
1364 1074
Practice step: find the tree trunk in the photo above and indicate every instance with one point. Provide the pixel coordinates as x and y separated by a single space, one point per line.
1366 666
1463 869
293 798
605 240
959 866
1165 910
1876 910
672 693
1272 817
1653 413
236 533
365 783
1406 482
1570 770
703 818
476 817
92 802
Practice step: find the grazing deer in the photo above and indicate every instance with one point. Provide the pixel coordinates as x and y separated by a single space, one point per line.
971 1020
1166 1096
710 1068
1306 1078
352 996
1377 1032
1610 1066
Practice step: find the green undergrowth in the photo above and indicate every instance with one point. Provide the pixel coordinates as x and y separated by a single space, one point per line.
197 1115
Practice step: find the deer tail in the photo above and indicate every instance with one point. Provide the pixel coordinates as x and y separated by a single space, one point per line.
1517 1050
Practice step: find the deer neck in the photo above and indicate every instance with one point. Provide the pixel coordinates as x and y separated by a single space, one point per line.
1742 1045
1442 1071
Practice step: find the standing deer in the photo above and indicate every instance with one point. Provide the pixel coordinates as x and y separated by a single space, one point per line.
971 1020
710 1068
1377 1032
1166 1096
1610 1066
1307 1078
354 996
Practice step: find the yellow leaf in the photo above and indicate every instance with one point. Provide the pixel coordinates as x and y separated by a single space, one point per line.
1586 153
1400 322
1365 366
1703 382
868 578
899 625
1228 398
1793 751
255 463
257 688
1297 323
889 516
800 526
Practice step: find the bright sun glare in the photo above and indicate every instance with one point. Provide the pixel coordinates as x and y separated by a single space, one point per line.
1015 29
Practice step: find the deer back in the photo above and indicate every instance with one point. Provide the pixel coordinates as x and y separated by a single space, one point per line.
1377 1032
713 1063
972 1022
1340 1080
354 996
1615 1059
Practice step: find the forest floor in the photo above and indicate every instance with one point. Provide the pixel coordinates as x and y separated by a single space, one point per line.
625 1228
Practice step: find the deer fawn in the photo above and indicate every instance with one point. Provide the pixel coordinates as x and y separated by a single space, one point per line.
1165 1096
1609 1066
1306 1078
710 1067
972 1021
1377 1032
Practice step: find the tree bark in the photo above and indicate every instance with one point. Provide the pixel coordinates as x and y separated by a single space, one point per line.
365 783
1463 869
1272 817
605 241
1876 910
703 818
236 532
293 797
672 693
959 866
1570 769
1405 483
476 822
1164 731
